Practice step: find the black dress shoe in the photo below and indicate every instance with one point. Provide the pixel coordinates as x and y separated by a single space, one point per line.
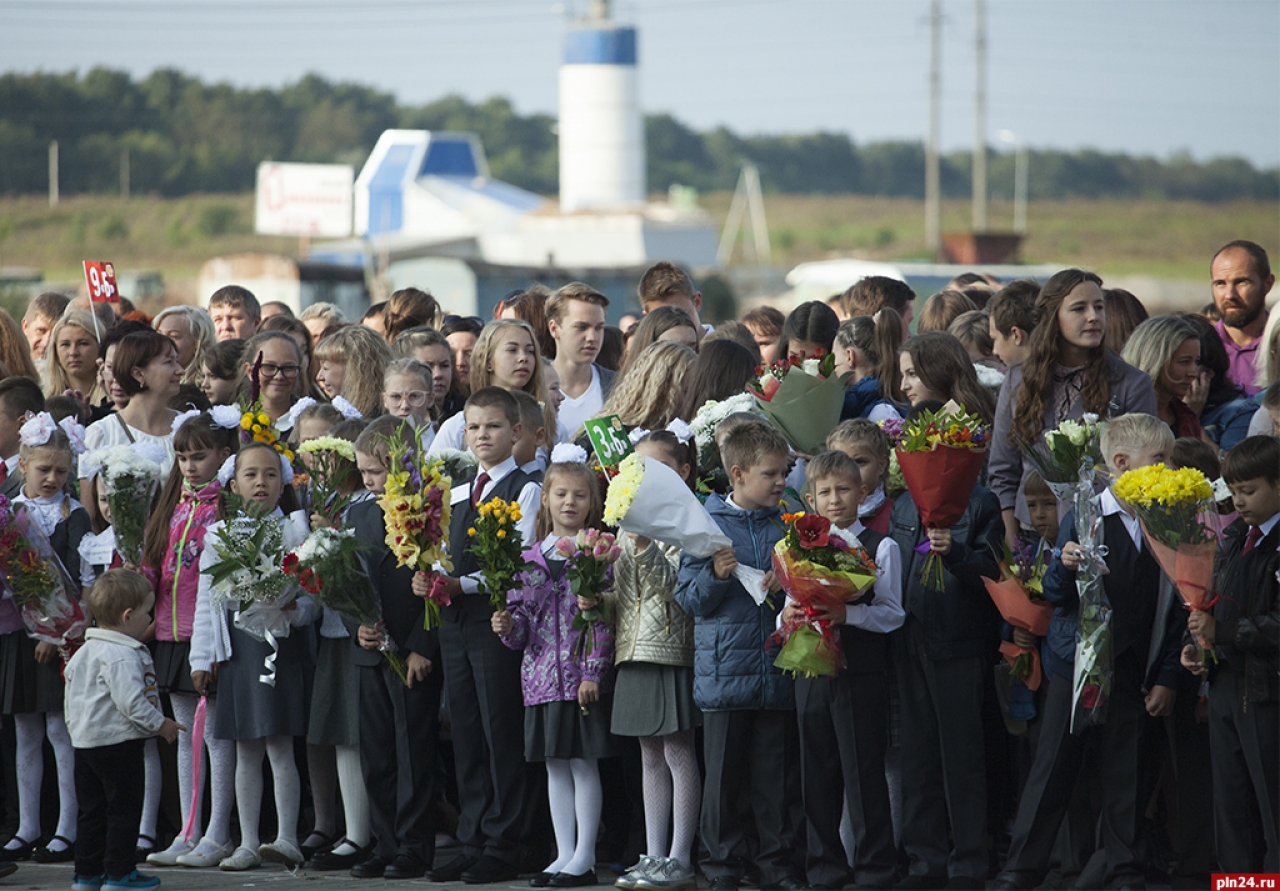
22 852
45 855
541 880
569 880
373 868
453 870
921 883
328 861
7 869
405 867
488 870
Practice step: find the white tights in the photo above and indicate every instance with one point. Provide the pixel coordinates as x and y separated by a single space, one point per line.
279 749
331 766
672 788
573 789
31 729
221 772
151 795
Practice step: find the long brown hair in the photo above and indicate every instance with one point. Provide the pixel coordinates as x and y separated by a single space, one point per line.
595 510
943 366
1043 348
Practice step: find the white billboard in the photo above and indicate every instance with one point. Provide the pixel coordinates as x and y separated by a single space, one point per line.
304 199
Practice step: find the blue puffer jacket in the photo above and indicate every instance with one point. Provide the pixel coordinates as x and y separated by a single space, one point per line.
731 668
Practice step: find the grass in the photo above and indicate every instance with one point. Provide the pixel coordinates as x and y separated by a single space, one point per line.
1163 239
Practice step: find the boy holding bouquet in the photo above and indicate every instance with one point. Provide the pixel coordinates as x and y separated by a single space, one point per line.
844 719
1244 717
1145 631
746 701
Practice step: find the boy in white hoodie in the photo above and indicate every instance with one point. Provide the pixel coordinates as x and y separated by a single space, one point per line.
112 708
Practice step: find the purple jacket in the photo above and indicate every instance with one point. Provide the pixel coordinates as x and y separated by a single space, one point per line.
543 612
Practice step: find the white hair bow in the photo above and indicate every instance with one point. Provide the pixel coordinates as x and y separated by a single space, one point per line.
183 418
677 428
227 472
37 429
75 432
289 418
568 453
225 416
349 411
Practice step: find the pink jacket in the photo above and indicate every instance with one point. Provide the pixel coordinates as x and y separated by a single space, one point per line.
543 611
180 573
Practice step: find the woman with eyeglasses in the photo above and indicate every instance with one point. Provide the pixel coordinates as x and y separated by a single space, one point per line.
279 372
351 363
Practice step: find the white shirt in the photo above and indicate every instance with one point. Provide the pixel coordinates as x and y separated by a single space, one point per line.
529 499
1111 505
451 435
574 411
1267 525
110 695
47 510
110 432
11 464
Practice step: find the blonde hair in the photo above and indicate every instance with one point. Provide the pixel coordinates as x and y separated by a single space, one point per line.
647 395
482 370
115 591
56 379
202 332
365 357
595 509
1132 434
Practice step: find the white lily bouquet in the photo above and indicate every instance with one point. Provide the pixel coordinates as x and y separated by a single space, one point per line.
130 475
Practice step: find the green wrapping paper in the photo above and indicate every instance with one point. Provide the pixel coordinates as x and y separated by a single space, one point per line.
805 408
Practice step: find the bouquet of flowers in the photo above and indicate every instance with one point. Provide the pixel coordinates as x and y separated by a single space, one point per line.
332 461
497 546
650 499
415 506
803 398
1180 523
589 557
703 426
1067 452
1019 595
329 565
895 485
255 423
40 587
821 568
458 464
941 455
130 474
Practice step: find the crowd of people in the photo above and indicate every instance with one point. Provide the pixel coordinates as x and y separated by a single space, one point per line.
676 747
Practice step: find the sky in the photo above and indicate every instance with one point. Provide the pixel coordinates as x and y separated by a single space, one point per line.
1146 77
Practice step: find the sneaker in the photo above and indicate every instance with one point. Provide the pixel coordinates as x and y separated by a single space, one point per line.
169 856
134 879
670 875
85 883
240 860
278 851
204 855
646 865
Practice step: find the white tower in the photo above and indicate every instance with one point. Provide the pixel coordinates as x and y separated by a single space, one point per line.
601 130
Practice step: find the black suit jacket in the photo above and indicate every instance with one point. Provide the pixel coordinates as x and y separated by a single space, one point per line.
402 610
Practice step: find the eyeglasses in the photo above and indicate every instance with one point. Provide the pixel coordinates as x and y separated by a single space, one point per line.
415 398
269 370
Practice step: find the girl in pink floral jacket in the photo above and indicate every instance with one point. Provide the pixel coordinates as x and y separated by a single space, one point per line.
567 681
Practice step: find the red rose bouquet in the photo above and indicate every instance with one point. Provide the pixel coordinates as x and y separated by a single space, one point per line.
41 589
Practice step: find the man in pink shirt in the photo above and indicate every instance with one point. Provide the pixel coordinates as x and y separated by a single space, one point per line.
1241 279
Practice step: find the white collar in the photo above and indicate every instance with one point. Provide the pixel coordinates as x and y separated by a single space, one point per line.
499 470
1267 525
115 637
11 464
537 465
872 502
1111 505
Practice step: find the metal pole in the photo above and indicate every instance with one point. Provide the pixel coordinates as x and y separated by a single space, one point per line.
980 121
1020 189
124 173
53 173
932 203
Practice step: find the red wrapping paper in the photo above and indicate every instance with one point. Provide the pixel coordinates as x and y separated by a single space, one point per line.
940 482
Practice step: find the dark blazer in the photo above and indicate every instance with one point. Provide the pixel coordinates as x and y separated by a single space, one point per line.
1248 613
11 488
402 610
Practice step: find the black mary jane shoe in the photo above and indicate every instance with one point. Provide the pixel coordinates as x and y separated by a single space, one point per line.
14 855
568 880
310 851
541 880
328 861
45 855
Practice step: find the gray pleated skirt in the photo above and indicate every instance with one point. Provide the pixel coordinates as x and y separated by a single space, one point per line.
249 709
561 730
335 699
653 700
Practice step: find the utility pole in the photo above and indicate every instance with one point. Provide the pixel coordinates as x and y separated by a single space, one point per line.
932 203
980 121
53 173
124 173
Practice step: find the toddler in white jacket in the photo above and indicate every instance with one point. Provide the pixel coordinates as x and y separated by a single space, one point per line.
111 709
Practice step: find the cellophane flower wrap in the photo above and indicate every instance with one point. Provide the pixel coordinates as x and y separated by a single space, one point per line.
941 455
1063 451
1019 595
589 557
130 475
248 575
803 397
43 592
821 568
498 547
330 461
415 508
330 565
1181 526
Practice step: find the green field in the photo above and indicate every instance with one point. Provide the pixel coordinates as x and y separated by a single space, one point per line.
1172 240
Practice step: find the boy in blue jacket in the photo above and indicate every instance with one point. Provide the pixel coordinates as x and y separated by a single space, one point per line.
747 703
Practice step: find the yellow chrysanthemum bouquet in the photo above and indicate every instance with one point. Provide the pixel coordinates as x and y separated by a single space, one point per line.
1180 523
498 547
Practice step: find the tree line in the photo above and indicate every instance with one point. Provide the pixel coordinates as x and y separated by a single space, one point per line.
183 135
